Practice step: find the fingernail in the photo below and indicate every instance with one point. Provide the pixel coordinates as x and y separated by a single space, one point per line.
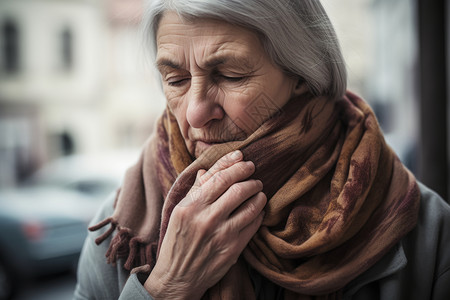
236 154
250 164
260 183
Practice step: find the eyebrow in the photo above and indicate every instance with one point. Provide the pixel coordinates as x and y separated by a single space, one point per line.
163 63
210 64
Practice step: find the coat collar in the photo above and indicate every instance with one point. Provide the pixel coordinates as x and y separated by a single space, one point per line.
392 262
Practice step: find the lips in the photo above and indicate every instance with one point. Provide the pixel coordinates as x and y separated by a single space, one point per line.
200 141
202 146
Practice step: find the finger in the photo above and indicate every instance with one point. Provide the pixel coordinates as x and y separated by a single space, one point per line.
246 234
224 179
236 195
225 162
248 212
200 173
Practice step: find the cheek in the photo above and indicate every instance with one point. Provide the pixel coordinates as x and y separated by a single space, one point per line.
239 107
173 96
257 103
178 107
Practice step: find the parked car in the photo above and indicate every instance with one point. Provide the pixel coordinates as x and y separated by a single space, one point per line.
43 223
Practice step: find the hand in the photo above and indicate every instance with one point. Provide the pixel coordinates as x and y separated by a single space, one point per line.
208 230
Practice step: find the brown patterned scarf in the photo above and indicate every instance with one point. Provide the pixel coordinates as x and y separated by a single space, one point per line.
339 198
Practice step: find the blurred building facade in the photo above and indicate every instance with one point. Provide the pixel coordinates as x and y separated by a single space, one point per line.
73 78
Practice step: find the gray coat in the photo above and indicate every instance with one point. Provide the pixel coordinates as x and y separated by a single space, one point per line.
417 268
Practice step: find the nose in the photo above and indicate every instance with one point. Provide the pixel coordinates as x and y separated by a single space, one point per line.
203 105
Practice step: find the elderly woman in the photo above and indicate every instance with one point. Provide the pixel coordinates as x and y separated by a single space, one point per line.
264 179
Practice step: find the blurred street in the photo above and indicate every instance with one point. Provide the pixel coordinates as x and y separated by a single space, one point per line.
57 287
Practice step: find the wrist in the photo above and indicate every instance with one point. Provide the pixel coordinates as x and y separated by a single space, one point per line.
155 287
162 287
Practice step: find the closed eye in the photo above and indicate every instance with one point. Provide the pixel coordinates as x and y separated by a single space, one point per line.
177 82
232 79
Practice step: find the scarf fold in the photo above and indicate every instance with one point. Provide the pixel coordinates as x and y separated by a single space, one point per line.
338 198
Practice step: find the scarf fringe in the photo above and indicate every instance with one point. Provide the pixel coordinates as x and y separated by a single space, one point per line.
125 245
106 234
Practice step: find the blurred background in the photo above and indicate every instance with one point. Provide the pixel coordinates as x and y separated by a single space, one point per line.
78 100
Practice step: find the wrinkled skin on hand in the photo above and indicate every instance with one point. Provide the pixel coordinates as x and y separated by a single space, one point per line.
208 230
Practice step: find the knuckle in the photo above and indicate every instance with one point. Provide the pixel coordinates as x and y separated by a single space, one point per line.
221 178
226 161
200 179
252 209
228 158
222 163
256 204
237 189
194 193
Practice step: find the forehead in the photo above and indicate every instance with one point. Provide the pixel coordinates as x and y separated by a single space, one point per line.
204 38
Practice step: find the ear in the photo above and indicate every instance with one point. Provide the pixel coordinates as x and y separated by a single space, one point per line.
300 87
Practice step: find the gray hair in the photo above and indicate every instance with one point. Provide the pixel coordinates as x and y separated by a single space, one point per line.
296 34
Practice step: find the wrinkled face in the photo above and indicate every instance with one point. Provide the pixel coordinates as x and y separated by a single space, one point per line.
219 82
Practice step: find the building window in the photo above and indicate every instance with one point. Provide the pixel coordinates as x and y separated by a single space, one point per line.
67 49
10 47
